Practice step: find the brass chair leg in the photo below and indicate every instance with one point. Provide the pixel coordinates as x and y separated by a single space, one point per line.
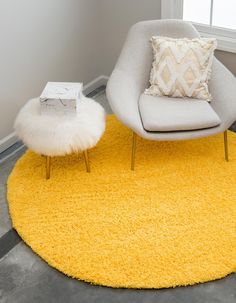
226 146
48 167
133 150
86 159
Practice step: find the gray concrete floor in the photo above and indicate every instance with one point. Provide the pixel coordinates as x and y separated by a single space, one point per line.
26 278
5 169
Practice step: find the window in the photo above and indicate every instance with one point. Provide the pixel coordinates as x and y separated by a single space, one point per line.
212 18
197 11
221 13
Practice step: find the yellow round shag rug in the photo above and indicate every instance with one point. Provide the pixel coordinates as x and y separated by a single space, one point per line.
170 222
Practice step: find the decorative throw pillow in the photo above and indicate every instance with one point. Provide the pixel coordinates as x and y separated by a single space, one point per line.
181 67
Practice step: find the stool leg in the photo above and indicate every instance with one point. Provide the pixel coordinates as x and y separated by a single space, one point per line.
86 159
48 167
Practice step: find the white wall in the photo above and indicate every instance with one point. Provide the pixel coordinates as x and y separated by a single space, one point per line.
118 16
60 40
42 40
228 59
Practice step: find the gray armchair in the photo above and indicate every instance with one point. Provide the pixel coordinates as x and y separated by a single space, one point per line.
155 118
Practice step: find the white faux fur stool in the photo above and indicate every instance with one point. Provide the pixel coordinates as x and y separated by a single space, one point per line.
58 136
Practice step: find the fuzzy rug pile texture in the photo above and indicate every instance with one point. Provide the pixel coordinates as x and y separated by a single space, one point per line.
170 222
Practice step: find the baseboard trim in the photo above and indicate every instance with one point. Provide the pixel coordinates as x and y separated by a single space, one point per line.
11 139
91 86
7 142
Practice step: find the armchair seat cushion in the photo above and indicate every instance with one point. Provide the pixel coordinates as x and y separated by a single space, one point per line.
165 114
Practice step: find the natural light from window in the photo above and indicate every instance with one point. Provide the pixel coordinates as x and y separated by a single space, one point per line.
197 11
220 13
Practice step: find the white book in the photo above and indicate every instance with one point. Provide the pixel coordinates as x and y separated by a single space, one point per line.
61 98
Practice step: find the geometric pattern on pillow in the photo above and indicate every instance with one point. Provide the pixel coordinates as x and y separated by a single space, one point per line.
181 67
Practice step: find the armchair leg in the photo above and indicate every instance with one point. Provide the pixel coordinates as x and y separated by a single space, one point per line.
86 159
133 150
226 146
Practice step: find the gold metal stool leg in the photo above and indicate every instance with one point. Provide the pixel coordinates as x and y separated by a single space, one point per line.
226 146
133 150
86 159
48 167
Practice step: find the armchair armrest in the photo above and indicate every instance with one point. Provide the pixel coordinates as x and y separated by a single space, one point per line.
223 89
123 93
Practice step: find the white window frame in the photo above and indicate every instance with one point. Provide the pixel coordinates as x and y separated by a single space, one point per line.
226 38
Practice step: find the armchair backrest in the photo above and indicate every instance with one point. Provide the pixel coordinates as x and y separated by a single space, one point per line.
136 56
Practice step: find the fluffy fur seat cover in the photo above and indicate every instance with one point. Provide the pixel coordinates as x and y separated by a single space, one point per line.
58 136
